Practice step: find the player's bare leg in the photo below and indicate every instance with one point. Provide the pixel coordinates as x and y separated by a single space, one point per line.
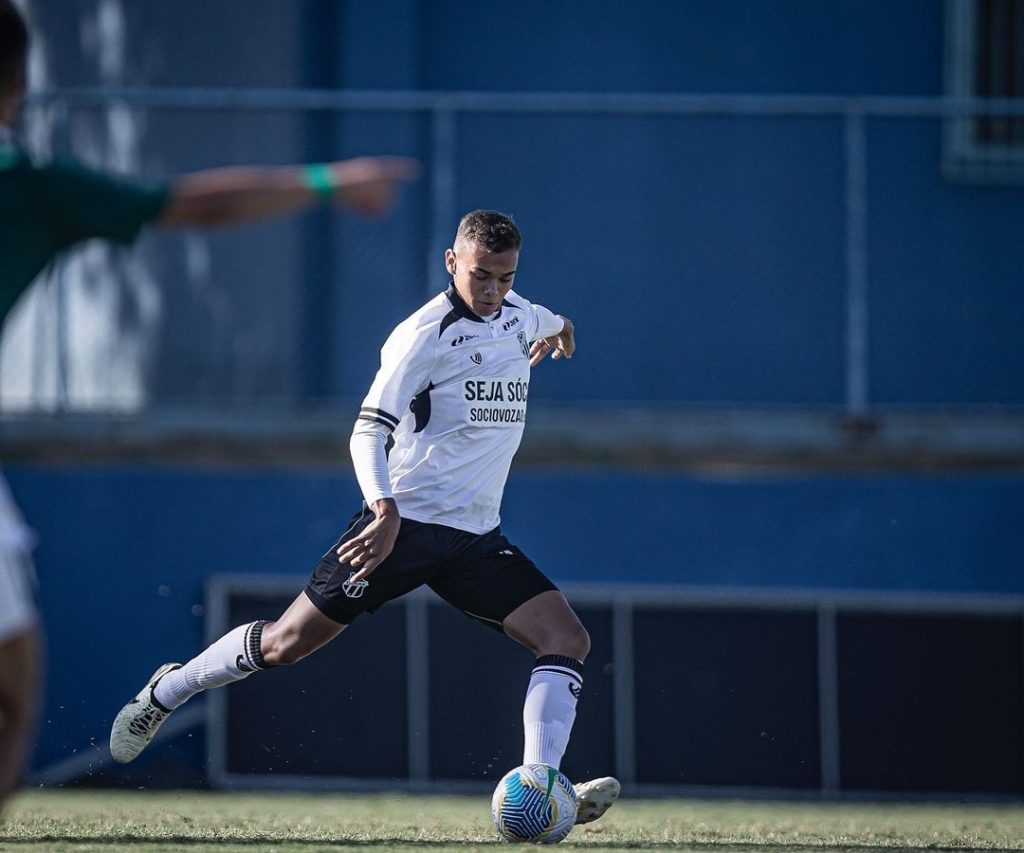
19 698
300 630
547 625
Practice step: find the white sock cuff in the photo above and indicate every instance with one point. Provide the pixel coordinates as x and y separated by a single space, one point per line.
252 644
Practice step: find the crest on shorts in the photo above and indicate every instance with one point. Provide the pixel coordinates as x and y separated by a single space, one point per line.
525 344
354 589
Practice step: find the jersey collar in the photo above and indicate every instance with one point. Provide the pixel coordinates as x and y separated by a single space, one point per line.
462 311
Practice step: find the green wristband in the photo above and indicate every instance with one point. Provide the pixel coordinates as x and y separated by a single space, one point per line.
320 179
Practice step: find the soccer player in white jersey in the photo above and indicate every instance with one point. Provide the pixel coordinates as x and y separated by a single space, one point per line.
451 395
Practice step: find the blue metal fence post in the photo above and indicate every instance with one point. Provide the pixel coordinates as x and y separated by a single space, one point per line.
321 26
856 262
442 191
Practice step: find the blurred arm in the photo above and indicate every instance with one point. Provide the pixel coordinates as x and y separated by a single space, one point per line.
366 185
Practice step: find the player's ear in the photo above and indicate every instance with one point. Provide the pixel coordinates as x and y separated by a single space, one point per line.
449 261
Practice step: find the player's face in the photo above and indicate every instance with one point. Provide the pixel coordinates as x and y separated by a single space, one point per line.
481 278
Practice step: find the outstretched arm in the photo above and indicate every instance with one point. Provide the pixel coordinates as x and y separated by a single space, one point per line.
366 185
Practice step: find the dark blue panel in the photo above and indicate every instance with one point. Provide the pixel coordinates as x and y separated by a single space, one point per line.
665 46
746 685
930 703
384 42
322 716
946 301
701 259
941 533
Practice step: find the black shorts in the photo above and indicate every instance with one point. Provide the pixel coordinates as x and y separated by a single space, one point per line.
483 575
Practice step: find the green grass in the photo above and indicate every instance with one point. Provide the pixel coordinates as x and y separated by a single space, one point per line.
155 822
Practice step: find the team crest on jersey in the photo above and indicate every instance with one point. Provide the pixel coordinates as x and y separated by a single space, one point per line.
354 589
476 358
525 344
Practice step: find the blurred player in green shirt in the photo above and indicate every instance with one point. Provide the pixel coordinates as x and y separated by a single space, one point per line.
46 208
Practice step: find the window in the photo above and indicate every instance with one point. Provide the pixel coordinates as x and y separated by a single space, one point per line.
985 59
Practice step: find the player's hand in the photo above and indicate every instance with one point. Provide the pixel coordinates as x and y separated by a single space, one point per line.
369 185
562 344
371 547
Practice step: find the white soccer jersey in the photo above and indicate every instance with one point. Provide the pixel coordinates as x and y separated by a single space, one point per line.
451 392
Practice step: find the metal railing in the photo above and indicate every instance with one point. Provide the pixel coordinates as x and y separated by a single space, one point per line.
623 603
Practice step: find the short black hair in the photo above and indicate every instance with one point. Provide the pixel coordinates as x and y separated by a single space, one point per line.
493 231
13 44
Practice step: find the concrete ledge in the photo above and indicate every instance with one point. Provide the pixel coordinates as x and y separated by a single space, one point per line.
627 435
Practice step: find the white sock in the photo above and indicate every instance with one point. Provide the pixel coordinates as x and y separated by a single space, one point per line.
550 708
233 657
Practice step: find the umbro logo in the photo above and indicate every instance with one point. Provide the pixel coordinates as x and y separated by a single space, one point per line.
575 689
476 358
242 666
506 552
354 589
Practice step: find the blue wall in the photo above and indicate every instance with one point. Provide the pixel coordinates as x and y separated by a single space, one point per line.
740 46
716 241
124 551
702 258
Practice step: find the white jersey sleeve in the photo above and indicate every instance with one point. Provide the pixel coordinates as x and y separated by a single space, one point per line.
548 323
406 360
370 460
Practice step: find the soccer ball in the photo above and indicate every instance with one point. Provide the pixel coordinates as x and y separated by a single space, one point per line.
534 803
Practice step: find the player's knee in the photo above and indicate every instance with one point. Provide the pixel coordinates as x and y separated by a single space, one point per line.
570 639
564 635
577 642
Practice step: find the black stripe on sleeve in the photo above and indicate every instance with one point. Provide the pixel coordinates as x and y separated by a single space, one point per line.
370 414
376 420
